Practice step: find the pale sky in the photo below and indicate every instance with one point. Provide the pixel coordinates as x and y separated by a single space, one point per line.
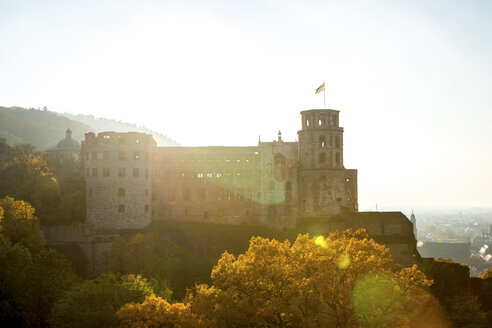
412 79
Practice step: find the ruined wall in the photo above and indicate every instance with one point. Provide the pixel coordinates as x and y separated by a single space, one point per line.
118 179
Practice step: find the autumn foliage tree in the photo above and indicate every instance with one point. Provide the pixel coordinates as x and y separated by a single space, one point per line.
28 177
343 280
19 225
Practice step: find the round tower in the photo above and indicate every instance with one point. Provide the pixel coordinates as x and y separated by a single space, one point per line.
325 185
118 180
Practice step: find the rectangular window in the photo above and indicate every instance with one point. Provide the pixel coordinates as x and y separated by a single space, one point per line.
90 192
220 212
105 171
106 154
121 155
136 155
199 175
121 208
121 172
121 192
220 194
94 172
136 172
146 192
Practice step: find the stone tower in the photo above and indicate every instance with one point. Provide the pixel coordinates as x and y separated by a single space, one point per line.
118 179
325 186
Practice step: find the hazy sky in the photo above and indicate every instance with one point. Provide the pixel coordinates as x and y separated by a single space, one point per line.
412 79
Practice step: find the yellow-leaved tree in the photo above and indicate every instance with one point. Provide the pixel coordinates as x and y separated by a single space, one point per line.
343 280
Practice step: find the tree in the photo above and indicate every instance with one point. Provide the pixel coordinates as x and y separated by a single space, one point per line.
156 312
28 177
466 311
343 280
156 257
30 284
20 225
94 303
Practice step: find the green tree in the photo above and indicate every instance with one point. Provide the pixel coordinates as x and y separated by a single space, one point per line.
72 207
30 284
94 303
29 178
156 257
19 224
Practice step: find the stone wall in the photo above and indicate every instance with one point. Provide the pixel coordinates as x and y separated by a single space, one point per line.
118 179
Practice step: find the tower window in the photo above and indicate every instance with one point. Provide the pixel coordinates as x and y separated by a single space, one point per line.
221 212
121 192
121 172
337 158
90 192
146 208
271 210
121 208
337 142
247 212
321 158
136 172
307 123
322 142
105 171
320 122
94 172
136 155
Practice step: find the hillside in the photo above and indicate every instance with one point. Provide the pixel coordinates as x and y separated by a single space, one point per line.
103 124
44 128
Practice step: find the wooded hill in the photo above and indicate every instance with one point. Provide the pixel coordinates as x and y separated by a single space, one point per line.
44 128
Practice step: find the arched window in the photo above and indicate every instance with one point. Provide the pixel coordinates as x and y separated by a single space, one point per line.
337 142
288 191
337 158
322 142
321 158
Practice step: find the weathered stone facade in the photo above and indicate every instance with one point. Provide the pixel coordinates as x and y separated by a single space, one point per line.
118 179
272 183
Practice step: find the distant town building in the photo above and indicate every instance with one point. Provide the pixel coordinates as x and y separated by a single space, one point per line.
458 252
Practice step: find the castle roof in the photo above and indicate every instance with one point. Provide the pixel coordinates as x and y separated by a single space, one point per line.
445 250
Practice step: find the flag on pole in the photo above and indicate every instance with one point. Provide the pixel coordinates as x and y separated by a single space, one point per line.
321 88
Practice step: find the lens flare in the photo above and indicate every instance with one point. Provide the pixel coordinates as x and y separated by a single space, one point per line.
344 261
376 299
320 241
